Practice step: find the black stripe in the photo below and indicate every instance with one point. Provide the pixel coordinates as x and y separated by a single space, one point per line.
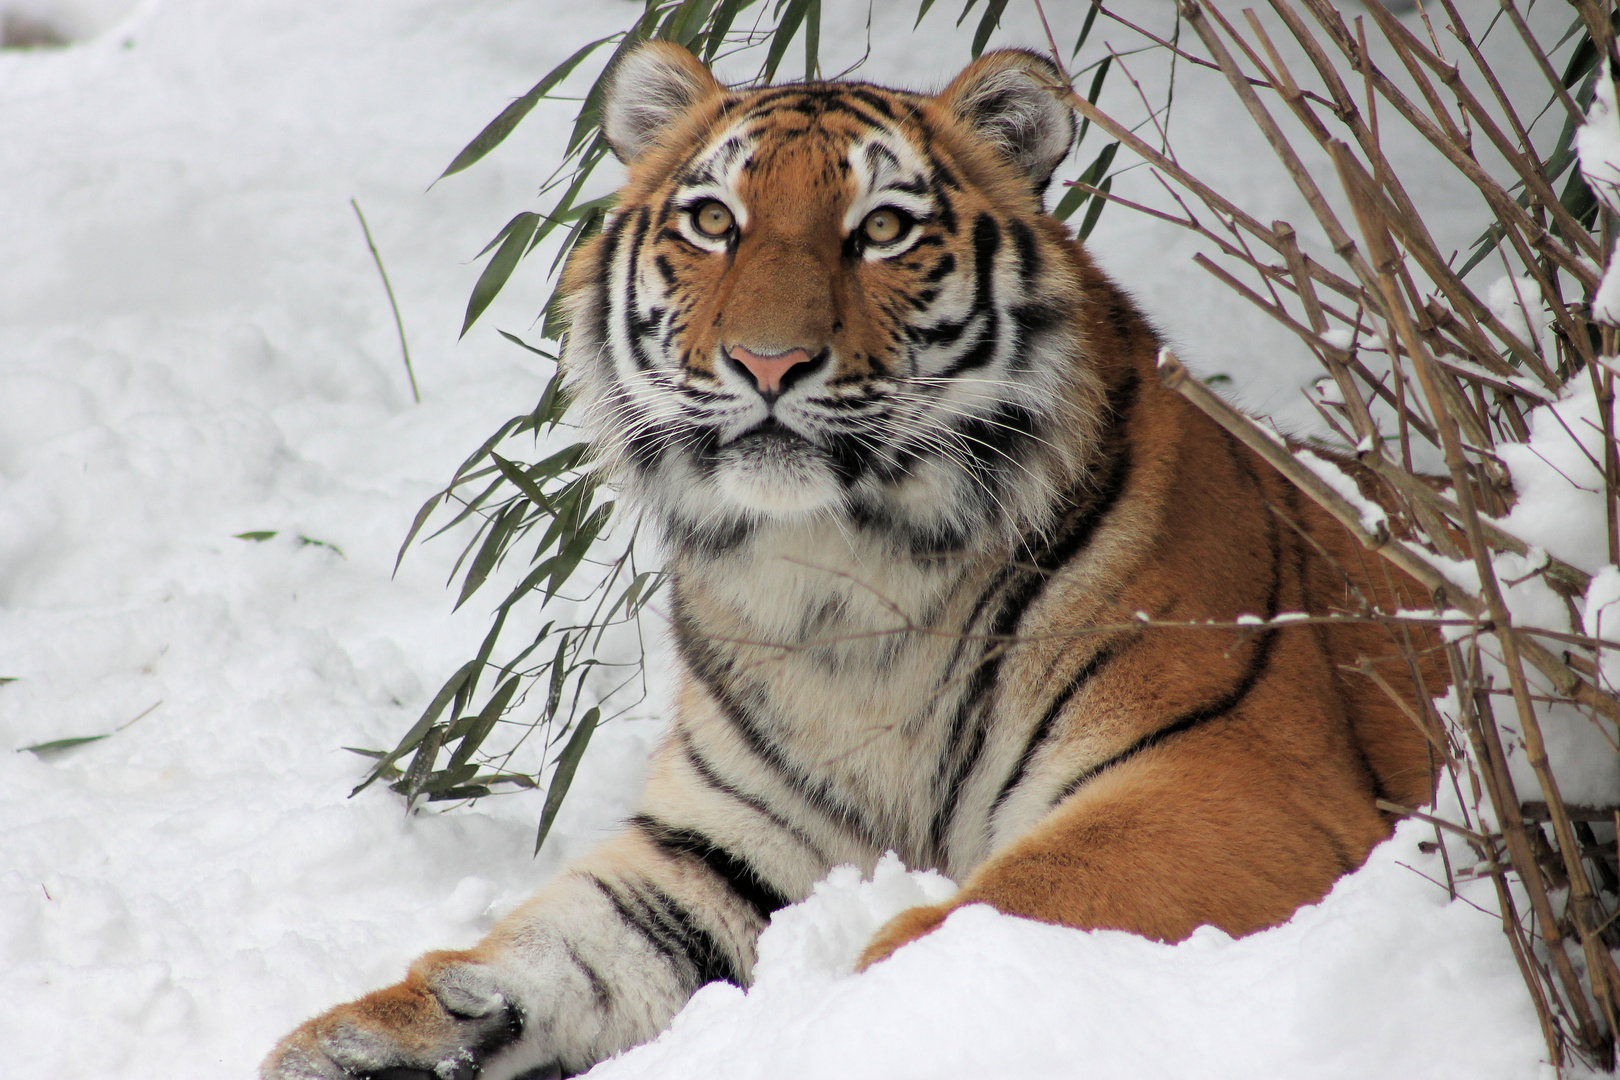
739 875
599 987
711 776
993 443
1214 710
704 665
874 101
1029 255
986 241
1347 862
635 327
1028 581
709 960
1222 706
632 916
942 269
674 933
1038 737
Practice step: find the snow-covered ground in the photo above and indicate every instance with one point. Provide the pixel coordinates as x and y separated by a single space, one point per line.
194 344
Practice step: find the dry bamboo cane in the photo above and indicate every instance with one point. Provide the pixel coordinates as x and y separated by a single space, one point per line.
1383 294
1469 305
1583 903
1468 707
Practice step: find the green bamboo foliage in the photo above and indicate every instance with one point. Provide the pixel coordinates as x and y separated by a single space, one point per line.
553 515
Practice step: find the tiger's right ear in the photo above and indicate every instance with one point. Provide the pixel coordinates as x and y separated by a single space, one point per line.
651 88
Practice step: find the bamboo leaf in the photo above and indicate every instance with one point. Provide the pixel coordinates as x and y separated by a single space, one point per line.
1085 32
500 267
631 598
258 536
686 22
484 723
500 127
721 25
783 36
559 672
1094 93
987 25
468 511
416 526
586 228
422 725
530 582
514 339
567 763
506 230
519 779
446 779
1071 201
494 547
523 483
474 791
812 41
562 211
569 558
310 541
410 785
553 402
1094 211
539 639
60 744
468 689
1078 194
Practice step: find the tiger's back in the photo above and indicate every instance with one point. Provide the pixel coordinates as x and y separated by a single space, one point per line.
952 574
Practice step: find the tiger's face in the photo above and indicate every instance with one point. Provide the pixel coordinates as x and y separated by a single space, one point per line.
833 301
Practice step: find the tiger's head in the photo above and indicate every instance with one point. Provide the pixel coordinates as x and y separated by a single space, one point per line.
835 301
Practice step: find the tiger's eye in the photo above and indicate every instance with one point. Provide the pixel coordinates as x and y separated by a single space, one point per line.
884 226
712 218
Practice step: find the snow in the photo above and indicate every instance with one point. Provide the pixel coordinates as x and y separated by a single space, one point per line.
1598 143
1373 516
194 344
1513 300
988 995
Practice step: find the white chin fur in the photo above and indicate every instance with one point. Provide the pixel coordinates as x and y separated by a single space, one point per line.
777 481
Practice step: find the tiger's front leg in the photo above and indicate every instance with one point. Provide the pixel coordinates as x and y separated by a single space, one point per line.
599 961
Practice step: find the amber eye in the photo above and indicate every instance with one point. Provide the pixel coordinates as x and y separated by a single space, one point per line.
885 225
712 218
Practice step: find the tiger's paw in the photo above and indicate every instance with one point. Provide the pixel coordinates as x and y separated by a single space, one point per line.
444 1022
905 927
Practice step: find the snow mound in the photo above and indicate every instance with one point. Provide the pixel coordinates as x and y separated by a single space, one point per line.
1339 991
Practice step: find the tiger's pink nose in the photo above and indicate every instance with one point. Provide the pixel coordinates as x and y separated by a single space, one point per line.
768 370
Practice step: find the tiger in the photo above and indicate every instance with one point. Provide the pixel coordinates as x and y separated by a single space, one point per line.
927 510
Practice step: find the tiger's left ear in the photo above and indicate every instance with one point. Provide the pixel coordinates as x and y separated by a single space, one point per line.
649 90
1010 98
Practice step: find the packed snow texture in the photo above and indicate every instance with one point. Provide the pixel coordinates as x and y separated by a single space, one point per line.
1598 143
194 344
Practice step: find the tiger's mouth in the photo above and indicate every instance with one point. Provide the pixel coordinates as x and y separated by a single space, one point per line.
776 472
769 430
